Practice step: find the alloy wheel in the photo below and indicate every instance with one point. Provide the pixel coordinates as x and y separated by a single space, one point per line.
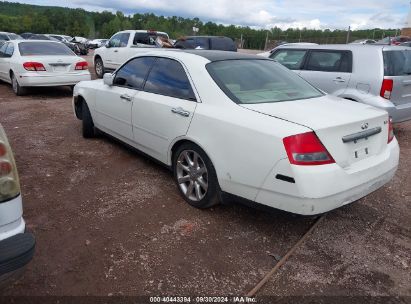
192 175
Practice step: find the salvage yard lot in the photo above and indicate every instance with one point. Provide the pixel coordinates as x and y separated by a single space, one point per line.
109 221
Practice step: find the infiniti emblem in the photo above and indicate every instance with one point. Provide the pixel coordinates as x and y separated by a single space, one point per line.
364 125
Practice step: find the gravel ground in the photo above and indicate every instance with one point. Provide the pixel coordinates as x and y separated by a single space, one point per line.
109 221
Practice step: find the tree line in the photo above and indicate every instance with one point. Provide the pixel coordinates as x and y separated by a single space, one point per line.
19 18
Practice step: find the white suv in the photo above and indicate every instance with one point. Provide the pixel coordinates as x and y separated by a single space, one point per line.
16 245
378 75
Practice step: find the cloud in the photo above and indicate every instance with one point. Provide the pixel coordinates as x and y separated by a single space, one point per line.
264 13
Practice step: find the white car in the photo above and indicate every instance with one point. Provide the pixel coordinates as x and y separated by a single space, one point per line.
16 246
237 125
268 53
36 63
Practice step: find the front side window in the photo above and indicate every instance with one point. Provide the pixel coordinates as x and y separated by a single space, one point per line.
169 78
292 59
44 48
119 40
329 61
133 73
251 81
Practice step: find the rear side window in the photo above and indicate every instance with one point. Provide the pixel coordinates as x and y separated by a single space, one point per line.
133 73
44 48
397 63
4 37
148 38
169 78
329 61
292 59
10 50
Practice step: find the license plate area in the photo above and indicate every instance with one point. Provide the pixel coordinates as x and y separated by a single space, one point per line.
59 67
360 149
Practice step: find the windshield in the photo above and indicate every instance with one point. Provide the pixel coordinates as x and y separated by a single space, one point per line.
249 81
44 48
15 37
397 63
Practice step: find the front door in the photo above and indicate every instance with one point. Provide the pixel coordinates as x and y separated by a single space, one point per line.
114 103
163 111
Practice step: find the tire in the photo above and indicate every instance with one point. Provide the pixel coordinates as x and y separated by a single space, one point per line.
88 125
17 89
197 184
99 67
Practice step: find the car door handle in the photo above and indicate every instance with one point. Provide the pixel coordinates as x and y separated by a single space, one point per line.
180 111
126 97
339 79
115 51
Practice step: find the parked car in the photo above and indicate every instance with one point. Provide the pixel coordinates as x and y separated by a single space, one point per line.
81 45
96 43
268 53
16 245
231 124
66 41
5 36
71 46
364 41
406 44
122 46
376 75
206 43
394 40
26 35
32 63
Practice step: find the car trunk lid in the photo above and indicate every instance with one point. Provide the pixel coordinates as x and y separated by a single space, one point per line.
350 131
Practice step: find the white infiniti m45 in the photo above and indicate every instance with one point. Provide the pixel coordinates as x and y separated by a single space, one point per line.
242 126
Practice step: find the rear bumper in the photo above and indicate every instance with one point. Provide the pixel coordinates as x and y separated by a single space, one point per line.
400 113
38 80
15 253
320 189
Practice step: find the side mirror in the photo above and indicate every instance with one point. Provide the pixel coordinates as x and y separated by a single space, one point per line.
108 79
107 44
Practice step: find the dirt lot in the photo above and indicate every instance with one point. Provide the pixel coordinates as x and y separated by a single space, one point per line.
109 221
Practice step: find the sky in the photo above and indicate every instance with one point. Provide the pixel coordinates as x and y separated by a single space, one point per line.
314 14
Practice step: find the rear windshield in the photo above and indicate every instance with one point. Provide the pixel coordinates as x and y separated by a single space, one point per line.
44 48
397 63
250 81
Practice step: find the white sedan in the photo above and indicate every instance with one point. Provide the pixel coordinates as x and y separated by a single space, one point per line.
232 125
34 63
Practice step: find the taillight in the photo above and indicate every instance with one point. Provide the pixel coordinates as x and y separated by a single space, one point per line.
34 66
82 65
390 130
306 150
386 88
9 179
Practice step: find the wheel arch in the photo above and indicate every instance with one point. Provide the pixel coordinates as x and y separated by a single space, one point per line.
78 106
182 140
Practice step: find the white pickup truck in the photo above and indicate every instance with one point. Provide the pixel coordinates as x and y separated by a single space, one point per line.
122 46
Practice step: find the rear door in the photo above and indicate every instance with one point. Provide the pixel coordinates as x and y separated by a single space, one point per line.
328 70
4 62
397 66
163 111
114 103
291 59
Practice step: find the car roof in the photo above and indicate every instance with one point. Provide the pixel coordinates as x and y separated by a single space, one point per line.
342 47
141 31
210 55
